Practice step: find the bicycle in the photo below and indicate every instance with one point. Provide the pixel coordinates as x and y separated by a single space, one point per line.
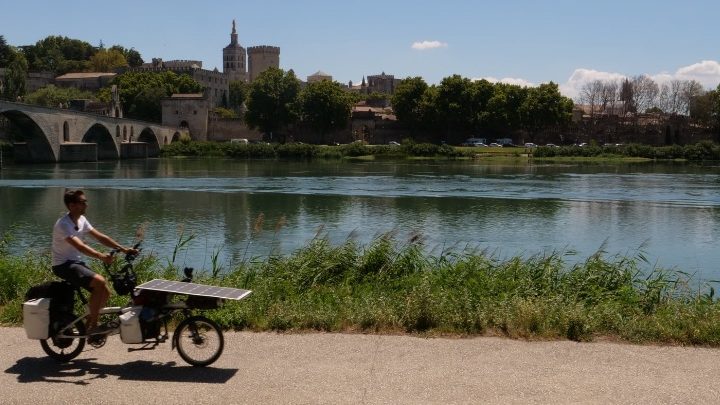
49 316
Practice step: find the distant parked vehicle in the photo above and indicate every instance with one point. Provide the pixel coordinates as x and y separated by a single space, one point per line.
239 140
551 145
495 145
474 142
530 145
393 143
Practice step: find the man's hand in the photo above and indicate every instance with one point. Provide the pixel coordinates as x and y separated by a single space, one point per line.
107 258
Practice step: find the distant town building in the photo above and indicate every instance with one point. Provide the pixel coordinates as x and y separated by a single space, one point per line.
260 58
215 83
187 111
319 76
234 59
90 81
382 83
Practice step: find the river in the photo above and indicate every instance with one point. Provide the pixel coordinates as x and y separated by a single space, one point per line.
669 213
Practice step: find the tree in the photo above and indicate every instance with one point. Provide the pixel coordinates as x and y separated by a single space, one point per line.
14 83
272 101
645 91
51 96
107 60
59 54
6 52
239 90
407 102
627 97
545 107
132 56
325 106
141 92
456 105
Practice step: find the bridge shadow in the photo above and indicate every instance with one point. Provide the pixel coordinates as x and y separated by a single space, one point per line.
84 371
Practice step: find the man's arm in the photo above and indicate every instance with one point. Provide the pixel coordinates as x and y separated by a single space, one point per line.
107 241
86 249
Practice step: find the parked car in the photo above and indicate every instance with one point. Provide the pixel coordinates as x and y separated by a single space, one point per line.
530 145
393 143
474 142
551 145
495 145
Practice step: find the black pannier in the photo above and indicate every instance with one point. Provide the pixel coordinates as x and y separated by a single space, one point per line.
61 294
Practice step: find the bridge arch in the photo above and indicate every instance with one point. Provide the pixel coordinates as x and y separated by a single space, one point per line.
31 143
148 136
100 135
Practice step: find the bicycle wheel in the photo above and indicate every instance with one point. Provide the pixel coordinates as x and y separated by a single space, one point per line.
199 341
66 348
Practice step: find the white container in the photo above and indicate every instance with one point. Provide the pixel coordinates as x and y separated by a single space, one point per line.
130 331
36 318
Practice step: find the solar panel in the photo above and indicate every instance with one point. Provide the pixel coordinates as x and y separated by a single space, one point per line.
180 287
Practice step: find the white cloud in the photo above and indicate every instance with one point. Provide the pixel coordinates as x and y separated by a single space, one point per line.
507 80
581 76
424 45
707 73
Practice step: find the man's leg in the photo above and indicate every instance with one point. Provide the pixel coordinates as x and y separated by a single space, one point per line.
98 298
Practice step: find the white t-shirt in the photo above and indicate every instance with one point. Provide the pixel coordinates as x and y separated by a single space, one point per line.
62 250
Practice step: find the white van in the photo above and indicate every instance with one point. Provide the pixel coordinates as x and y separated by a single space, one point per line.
239 140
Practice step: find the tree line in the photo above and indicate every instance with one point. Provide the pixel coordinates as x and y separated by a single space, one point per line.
59 55
641 94
461 106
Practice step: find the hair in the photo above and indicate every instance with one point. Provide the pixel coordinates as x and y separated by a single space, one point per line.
72 196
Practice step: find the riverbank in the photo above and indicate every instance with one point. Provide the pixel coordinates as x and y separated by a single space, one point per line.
702 151
387 287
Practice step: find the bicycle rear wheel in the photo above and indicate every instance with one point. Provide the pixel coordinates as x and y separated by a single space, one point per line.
66 348
199 341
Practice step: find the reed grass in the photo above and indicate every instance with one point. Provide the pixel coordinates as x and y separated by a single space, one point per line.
391 286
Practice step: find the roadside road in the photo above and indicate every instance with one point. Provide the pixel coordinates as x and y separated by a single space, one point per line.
262 368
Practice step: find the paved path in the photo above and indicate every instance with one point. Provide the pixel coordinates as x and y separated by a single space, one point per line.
261 368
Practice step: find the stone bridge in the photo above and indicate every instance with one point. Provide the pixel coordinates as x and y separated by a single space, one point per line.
61 135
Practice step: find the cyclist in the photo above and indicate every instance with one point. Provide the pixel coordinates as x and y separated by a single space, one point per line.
68 247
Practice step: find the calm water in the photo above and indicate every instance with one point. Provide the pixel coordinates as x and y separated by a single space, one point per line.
670 212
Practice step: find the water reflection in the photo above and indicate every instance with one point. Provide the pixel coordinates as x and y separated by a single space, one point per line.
671 211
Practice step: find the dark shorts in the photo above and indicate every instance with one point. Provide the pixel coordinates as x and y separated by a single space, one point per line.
76 273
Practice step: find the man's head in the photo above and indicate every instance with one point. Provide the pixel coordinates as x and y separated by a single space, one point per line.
75 200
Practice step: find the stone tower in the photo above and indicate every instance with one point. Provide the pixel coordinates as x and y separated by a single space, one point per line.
260 58
234 59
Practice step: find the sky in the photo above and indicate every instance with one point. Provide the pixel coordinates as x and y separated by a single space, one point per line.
516 41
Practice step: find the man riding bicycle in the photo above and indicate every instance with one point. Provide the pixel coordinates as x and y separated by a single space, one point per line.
68 247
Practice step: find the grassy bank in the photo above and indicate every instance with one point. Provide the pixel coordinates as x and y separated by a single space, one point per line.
697 152
387 287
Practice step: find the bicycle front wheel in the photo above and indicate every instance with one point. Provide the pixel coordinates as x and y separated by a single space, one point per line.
199 341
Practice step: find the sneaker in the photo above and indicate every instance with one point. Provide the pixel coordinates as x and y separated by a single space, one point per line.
100 330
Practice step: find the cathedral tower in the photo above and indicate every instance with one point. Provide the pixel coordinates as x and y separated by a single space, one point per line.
234 59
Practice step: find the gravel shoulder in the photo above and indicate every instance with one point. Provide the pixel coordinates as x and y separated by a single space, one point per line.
319 368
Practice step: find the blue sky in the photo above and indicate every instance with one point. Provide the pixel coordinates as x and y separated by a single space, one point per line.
519 41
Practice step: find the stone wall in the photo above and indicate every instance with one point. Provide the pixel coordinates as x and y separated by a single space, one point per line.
225 129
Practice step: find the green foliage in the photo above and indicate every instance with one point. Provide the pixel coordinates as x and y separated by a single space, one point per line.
51 96
224 112
132 57
700 151
407 101
6 52
272 101
325 106
141 92
13 85
388 286
107 60
239 90
59 54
